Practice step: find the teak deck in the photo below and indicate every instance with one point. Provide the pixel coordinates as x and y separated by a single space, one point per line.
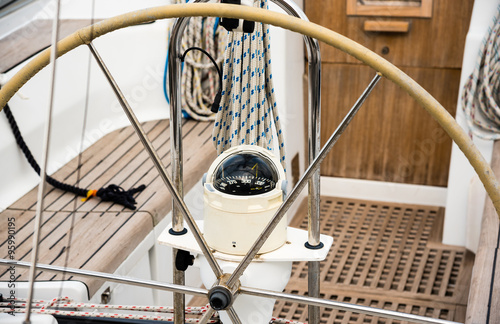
104 234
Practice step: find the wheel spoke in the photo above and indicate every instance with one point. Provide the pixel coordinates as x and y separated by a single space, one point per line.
233 316
207 316
294 194
158 164
112 277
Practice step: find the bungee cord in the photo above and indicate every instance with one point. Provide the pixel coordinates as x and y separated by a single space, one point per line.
248 113
481 93
112 192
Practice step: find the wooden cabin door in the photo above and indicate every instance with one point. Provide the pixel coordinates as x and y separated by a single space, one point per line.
392 138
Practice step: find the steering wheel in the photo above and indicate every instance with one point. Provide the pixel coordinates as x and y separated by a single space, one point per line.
385 69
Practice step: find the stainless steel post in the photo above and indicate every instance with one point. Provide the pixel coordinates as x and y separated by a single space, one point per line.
174 76
178 279
314 195
314 145
174 68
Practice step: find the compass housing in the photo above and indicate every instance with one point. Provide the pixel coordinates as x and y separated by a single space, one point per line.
243 189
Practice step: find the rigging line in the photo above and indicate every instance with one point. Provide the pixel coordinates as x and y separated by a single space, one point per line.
79 164
43 168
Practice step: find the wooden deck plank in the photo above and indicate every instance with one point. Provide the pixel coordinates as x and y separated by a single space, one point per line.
480 286
103 174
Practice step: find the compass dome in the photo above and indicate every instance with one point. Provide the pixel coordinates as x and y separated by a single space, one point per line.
243 174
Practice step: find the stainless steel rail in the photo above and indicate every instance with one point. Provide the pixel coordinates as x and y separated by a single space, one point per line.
43 167
112 277
300 185
176 154
318 302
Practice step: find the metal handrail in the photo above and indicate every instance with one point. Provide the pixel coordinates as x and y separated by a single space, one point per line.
314 144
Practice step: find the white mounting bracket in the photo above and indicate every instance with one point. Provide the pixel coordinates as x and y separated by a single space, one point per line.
293 250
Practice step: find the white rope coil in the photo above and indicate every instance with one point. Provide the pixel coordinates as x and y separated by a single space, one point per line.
64 306
199 79
481 95
46 307
248 113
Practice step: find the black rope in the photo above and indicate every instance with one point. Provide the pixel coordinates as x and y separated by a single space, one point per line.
112 192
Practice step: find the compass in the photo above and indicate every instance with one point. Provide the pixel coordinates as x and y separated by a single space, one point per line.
243 188
245 174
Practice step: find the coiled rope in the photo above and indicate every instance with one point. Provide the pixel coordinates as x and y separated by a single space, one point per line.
199 79
248 113
481 95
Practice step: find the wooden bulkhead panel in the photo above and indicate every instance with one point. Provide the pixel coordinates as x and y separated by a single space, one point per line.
392 138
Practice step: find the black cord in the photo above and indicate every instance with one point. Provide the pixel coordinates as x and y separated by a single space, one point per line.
111 193
218 96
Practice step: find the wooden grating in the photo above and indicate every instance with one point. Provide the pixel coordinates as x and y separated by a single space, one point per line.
384 255
104 234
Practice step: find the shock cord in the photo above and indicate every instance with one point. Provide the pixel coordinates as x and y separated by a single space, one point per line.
112 192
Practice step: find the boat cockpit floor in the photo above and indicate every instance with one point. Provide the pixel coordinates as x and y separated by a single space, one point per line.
384 255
